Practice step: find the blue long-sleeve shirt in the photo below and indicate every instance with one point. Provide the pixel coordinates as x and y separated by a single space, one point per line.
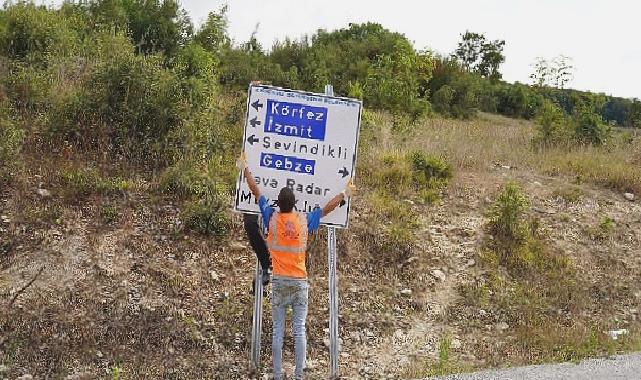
266 211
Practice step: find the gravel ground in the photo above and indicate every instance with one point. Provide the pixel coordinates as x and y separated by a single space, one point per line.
626 367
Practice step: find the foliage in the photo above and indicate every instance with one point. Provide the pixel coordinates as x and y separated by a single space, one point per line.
399 173
207 216
506 218
556 72
552 125
633 118
212 35
154 26
131 103
11 138
517 100
109 214
393 239
480 56
455 91
443 364
589 127
34 34
429 169
88 180
398 82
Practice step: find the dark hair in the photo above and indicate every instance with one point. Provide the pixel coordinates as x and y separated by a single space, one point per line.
286 199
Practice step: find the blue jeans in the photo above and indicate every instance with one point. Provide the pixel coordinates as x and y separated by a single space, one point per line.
285 293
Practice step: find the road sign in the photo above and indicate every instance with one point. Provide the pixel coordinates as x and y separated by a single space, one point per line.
301 140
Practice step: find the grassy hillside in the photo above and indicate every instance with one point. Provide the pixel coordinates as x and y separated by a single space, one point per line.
474 243
468 248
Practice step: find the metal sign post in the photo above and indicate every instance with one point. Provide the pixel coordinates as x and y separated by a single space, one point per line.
333 289
333 303
257 320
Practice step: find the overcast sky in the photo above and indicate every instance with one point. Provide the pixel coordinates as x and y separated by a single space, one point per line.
602 37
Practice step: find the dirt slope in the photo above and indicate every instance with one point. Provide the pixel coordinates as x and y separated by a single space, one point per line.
136 297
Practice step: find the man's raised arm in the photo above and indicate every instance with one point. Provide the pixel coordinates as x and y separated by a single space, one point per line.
242 165
340 197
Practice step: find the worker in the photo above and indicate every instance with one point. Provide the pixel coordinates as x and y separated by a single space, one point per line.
287 233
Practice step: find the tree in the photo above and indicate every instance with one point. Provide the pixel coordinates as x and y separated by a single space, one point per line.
398 81
153 25
634 117
212 35
480 56
469 49
492 58
556 72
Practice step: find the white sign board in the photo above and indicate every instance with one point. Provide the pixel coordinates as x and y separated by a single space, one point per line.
301 140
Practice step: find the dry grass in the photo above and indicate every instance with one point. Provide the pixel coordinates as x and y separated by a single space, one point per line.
489 141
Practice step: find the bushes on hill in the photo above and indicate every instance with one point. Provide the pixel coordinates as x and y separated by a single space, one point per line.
10 141
589 127
398 82
584 127
36 35
553 127
128 103
514 243
455 92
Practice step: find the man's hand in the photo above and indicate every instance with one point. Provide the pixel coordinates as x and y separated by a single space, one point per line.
241 162
350 188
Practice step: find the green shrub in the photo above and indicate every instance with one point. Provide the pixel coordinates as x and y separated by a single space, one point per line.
27 86
427 168
109 214
394 81
454 90
518 100
391 174
589 127
131 102
507 215
403 174
552 126
198 69
200 179
34 34
87 180
429 174
607 225
11 138
207 216
442 100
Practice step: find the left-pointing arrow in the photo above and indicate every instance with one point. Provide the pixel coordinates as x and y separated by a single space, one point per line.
252 139
254 122
257 104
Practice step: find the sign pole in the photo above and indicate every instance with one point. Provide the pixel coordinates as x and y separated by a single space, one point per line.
333 289
257 320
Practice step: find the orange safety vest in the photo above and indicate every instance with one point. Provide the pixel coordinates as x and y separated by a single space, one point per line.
287 242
